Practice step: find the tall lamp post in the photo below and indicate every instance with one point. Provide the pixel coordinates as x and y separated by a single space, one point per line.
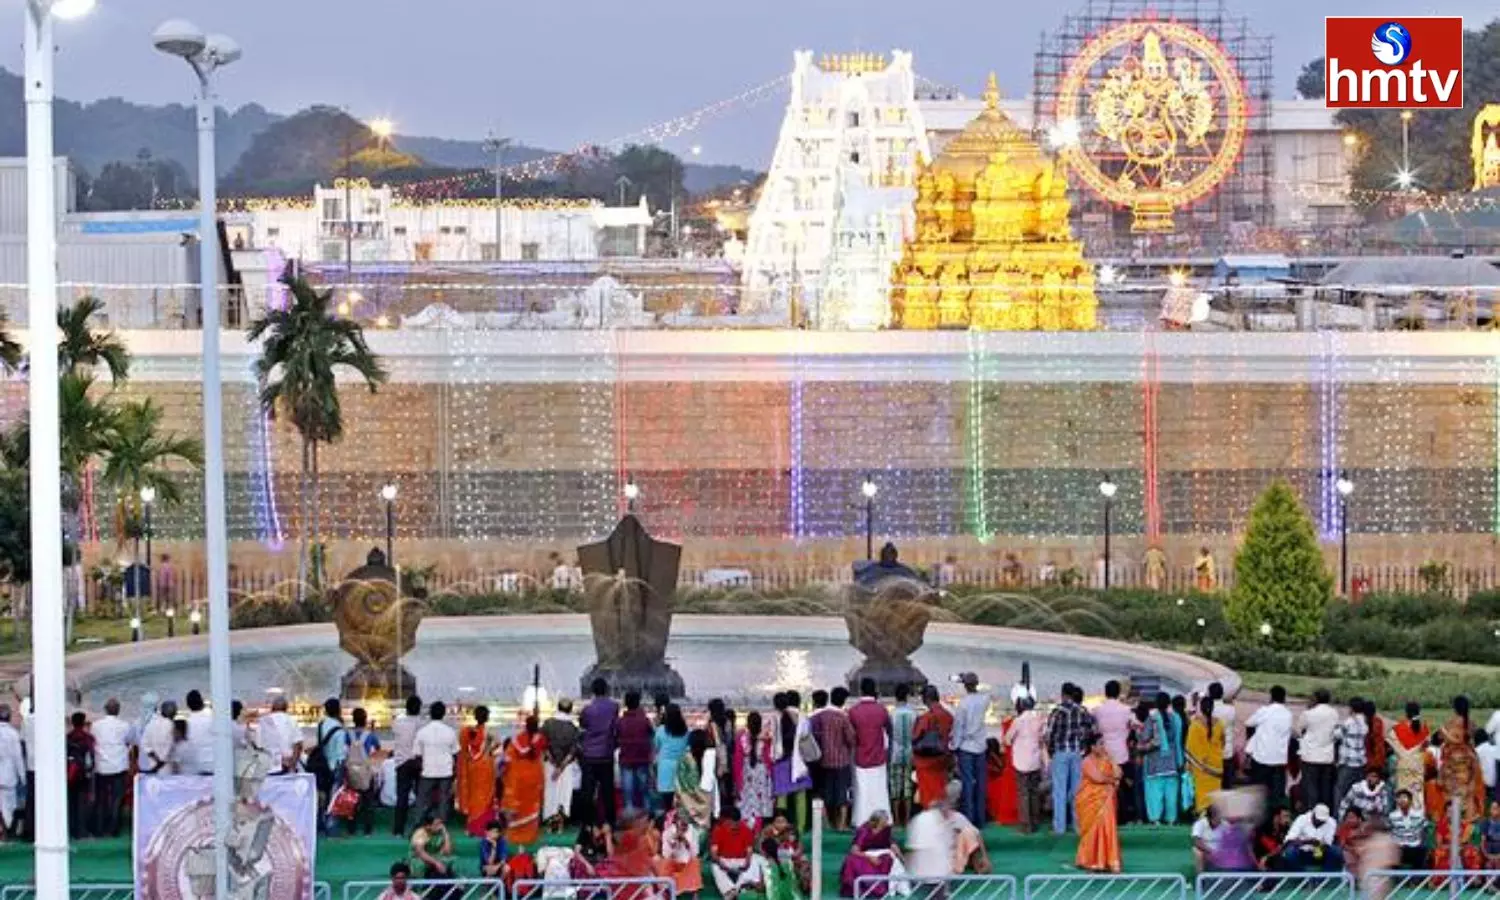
206 54
48 693
1345 488
148 499
870 489
495 146
388 494
1107 490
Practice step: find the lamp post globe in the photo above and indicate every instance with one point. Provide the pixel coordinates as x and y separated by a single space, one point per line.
1107 489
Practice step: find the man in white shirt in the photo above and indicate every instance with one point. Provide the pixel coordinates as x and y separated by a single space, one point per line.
1316 731
930 841
12 772
1270 730
1224 714
281 737
28 747
157 741
403 756
1206 833
111 768
1489 754
436 744
1309 843
200 738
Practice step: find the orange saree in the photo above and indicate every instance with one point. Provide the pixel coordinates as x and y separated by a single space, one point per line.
1095 805
474 792
523 789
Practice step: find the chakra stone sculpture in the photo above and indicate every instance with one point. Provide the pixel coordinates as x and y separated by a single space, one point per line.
888 622
377 628
631 578
993 249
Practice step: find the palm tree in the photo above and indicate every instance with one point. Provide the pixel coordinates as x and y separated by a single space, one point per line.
81 347
305 344
11 355
137 455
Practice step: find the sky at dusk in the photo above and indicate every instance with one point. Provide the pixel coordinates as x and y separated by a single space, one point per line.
565 72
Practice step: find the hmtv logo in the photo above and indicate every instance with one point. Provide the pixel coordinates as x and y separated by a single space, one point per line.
1406 62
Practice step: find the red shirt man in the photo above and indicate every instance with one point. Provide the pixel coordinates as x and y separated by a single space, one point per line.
872 728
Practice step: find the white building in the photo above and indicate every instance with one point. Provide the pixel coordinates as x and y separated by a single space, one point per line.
839 180
371 224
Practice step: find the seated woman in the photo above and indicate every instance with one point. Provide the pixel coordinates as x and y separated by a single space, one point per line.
679 859
872 854
1489 837
1469 856
595 844
789 849
769 877
1270 841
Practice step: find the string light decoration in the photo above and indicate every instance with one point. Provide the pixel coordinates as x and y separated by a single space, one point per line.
1330 458
1151 432
975 444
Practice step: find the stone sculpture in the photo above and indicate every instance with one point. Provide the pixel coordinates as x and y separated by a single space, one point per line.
887 615
630 579
377 628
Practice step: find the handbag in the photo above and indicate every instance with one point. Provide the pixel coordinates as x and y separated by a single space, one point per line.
344 803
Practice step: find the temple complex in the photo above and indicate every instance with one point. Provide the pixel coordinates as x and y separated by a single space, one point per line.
993 250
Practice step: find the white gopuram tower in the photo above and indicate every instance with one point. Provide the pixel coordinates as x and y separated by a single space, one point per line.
837 203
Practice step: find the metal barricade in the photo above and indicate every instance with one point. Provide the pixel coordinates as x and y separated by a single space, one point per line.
1277 885
431 889
1406 884
112 891
953 887
321 891
594 889
1105 887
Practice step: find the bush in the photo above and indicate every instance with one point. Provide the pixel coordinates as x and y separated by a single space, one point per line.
1407 610
1280 578
1483 605
1259 658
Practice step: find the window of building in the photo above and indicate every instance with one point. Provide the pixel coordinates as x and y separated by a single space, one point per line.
854 157
853 119
333 252
530 251
399 231
273 232
333 209
460 229
372 207
445 230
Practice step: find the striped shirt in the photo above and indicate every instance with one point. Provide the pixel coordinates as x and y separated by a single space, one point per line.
1069 728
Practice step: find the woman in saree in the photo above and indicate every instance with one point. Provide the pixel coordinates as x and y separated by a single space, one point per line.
931 758
523 787
1205 755
1096 811
752 771
778 879
872 854
693 803
634 856
1002 797
1408 741
1459 775
475 788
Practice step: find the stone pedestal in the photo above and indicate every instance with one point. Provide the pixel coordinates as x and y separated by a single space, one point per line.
389 682
649 680
887 674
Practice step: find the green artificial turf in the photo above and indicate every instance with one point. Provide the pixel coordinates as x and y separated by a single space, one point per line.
1146 849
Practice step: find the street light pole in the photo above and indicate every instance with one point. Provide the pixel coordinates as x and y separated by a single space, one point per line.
496 145
48 692
1345 488
205 54
869 489
388 494
148 498
1107 488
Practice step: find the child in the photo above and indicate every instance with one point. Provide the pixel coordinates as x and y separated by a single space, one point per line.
492 850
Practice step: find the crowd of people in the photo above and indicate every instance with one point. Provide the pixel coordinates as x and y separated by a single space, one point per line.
725 798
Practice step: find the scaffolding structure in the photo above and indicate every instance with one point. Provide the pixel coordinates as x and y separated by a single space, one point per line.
1243 201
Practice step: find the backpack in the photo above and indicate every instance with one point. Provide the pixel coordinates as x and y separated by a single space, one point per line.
317 760
358 772
80 760
929 743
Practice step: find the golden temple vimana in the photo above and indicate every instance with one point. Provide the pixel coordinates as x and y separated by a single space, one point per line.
992 248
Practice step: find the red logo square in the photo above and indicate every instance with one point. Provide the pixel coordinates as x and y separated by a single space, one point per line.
1394 62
